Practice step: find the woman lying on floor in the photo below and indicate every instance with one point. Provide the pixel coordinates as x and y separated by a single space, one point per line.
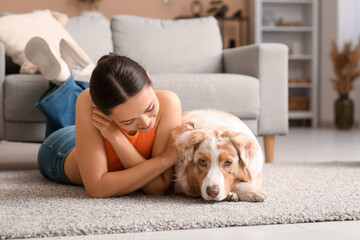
124 130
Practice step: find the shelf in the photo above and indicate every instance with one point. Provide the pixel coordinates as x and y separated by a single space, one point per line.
300 57
300 114
293 23
287 29
299 85
288 1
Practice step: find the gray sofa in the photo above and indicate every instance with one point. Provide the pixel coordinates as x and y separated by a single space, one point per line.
184 56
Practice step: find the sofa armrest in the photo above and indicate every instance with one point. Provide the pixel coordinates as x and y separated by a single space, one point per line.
268 62
2 79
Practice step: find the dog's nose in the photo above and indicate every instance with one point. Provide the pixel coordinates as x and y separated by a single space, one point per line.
212 191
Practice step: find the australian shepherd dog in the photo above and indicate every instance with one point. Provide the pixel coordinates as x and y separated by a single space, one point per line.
220 159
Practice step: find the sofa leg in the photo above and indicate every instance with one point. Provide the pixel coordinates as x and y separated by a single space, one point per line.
269 144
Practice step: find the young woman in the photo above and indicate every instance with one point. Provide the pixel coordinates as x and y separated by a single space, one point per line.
124 130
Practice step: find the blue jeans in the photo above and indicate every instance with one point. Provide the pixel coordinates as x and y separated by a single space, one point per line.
52 154
58 105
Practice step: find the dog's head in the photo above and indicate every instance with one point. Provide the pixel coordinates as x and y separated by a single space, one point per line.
212 162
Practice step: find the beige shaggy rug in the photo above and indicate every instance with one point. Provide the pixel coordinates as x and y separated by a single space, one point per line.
31 206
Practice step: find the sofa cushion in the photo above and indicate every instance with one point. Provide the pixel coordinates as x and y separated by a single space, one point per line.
234 93
169 46
17 29
92 33
11 67
21 93
25 131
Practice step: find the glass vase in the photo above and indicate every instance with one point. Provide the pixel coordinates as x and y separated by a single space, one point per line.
344 112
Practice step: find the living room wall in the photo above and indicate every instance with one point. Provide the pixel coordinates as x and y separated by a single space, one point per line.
164 9
339 22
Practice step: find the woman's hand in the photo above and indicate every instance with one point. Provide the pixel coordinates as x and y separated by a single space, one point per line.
104 124
171 151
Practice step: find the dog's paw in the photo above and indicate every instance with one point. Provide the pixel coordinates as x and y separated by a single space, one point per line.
252 196
233 197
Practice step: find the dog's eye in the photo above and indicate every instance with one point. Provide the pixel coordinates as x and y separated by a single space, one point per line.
202 163
227 163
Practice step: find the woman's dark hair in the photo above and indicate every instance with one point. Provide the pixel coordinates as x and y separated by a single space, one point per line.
114 80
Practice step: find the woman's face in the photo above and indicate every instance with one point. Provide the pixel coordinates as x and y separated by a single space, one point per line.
138 113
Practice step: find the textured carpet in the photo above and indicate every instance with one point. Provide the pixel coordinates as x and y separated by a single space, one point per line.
31 206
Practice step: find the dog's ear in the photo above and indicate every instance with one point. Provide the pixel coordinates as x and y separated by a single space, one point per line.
187 143
245 146
190 123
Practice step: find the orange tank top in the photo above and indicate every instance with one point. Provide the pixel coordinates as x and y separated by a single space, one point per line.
142 142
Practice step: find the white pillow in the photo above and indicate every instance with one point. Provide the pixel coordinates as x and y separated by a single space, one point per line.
16 30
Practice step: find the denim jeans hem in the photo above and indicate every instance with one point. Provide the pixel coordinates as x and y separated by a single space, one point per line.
58 104
53 152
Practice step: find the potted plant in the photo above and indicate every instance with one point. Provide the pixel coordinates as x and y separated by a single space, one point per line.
346 69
